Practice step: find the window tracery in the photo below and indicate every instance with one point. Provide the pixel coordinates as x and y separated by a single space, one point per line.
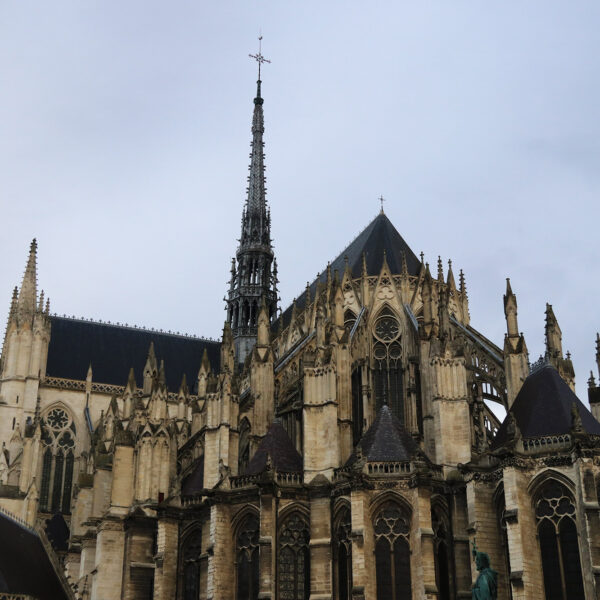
58 440
247 559
557 533
442 549
294 560
387 365
392 553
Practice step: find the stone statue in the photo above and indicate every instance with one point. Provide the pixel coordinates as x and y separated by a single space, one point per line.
486 586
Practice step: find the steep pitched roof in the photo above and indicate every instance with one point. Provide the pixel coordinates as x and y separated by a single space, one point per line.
543 407
386 440
380 235
25 567
279 447
112 350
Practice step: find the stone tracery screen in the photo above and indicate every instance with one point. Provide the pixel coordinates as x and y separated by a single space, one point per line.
58 440
293 580
387 365
559 547
392 553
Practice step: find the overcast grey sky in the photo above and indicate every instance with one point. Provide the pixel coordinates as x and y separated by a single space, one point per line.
125 130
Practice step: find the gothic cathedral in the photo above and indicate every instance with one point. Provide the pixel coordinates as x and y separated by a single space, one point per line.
343 448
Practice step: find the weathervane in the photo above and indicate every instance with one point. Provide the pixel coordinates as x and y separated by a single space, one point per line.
259 58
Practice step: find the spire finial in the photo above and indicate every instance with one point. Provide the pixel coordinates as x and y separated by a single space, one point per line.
260 59
381 200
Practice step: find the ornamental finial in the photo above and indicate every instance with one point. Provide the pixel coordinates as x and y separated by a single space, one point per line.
259 58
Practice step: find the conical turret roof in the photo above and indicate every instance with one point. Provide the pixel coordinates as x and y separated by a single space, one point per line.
385 441
277 447
544 407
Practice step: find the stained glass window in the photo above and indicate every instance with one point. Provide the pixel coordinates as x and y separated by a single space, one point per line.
58 438
557 532
247 555
294 559
392 553
387 367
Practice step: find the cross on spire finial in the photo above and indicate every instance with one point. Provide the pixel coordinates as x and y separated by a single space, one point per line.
381 200
259 58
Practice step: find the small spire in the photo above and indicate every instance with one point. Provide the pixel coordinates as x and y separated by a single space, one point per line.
307 294
28 291
183 388
591 380
463 285
161 374
364 265
440 267
131 383
404 265
450 278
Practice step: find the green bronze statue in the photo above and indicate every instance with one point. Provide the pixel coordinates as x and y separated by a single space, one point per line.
486 586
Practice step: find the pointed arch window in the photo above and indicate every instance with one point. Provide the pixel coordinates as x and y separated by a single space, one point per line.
247 559
442 549
557 533
58 440
357 405
387 365
392 553
244 446
342 553
191 551
293 582
349 320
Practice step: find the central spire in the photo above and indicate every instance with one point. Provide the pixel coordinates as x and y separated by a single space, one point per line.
254 270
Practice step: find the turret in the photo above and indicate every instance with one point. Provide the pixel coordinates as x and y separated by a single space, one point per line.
516 357
255 275
554 348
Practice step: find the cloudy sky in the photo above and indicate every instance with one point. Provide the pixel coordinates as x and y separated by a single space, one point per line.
125 130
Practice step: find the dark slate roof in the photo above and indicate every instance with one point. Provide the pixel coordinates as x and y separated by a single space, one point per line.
112 350
379 235
386 440
278 445
543 407
25 567
194 482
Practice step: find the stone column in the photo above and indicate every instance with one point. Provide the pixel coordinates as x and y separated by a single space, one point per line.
422 560
110 546
267 545
320 544
363 563
165 574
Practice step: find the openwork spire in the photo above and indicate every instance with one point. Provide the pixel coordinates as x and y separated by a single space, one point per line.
253 271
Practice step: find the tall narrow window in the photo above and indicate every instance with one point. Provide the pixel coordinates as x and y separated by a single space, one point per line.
357 406
387 367
190 565
294 559
501 516
248 568
442 553
244 446
342 553
557 533
392 553
58 438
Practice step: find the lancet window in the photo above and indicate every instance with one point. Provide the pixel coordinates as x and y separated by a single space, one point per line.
387 366
190 565
557 533
501 516
293 580
442 549
357 405
244 446
392 553
342 552
58 440
247 559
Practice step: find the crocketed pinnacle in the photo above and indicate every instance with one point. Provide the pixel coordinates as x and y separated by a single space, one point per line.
28 292
256 226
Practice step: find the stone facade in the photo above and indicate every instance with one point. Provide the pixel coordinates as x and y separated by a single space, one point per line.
343 449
